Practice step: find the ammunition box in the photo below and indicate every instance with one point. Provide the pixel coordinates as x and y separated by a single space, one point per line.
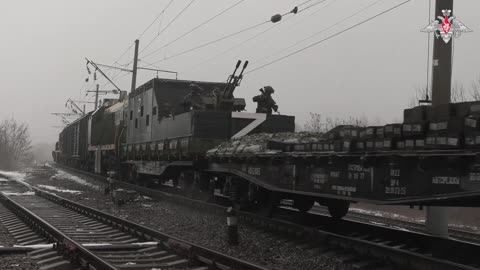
370 145
442 112
475 109
448 142
462 109
416 114
472 124
350 132
379 144
338 132
360 146
472 140
410 144
430 141
301 147
393 131
401 145
420 144
451 126
414 129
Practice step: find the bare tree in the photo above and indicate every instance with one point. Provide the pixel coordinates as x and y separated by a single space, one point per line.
15 144
458 93
421 93
475 90
317 123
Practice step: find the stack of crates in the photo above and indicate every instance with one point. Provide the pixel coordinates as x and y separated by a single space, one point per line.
344 138
445 130
392 137
472 127
415 126
373 137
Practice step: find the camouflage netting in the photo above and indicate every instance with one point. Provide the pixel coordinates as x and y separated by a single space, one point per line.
257 143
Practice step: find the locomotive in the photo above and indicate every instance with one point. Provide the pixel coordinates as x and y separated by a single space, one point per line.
196 136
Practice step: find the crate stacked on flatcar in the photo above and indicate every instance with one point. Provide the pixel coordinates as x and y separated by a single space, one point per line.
446 126
472 127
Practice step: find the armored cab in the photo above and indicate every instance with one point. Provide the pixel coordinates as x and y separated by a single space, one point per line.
174 122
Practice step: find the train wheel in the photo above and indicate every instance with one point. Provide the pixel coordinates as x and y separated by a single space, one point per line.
270 200
303 204
337 208
132 175
203 187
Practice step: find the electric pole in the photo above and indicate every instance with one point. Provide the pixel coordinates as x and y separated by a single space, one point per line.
134 71
437 217
96 96
442 61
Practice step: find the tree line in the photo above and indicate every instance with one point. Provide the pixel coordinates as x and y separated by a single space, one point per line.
15 144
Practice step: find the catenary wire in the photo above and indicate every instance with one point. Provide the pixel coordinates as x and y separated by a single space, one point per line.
225 37
116 63
319 32
144 31
167 26
250 39
156 18
196 27
327 38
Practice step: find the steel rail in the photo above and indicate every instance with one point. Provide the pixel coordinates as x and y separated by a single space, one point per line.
404 258
63 244
210 257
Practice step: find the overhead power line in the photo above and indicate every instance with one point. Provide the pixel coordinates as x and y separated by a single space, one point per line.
197 27
143 32
327 38
319 32
156 18
168 25
274 19
251 38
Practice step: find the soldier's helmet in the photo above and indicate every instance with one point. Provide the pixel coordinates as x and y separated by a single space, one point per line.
195 87
268 90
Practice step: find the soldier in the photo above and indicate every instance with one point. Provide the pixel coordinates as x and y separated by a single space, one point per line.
194 100
265 102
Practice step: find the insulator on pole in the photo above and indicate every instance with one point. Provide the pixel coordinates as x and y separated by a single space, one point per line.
95 76
294 10
276 18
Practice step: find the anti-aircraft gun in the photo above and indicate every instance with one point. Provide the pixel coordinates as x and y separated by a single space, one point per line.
218 98
226 100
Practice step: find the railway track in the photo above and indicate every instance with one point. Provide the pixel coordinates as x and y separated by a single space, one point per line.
403 224
95 240
360 244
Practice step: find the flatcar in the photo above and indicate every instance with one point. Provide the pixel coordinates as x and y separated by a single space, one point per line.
196 136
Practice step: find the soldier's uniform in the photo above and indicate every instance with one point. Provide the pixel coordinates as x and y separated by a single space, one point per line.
265 102
194 99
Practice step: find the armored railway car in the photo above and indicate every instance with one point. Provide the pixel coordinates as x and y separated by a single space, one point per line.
197 134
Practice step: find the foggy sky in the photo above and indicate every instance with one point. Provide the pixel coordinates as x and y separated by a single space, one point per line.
371 71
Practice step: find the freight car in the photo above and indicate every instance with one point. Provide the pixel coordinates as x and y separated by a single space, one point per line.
197 135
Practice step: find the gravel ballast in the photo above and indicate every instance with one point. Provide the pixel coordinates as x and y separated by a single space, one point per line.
208 230
6 239
17 262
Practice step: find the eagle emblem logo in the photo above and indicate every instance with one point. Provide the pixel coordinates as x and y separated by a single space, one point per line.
447 26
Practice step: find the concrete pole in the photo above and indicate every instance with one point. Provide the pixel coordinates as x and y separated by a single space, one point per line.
437 217
135 62
96 96
442 61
